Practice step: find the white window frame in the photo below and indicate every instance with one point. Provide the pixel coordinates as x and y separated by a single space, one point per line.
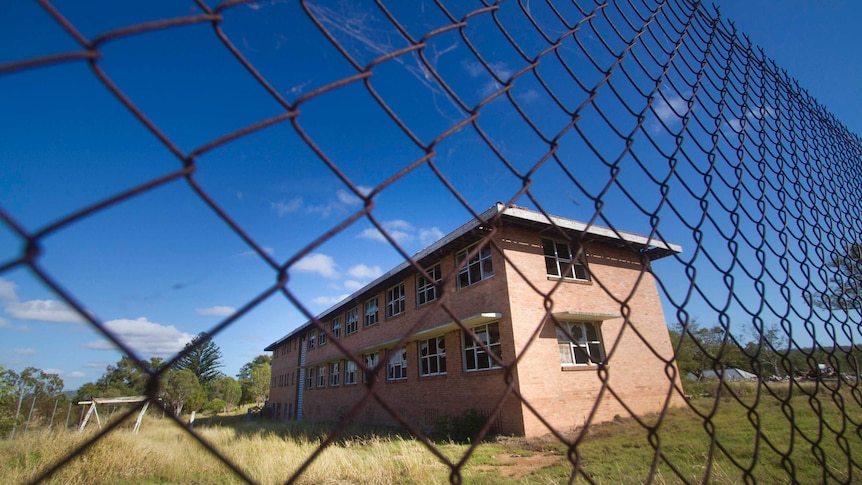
349 372
396 300
321 338
560 262
396 368
583 350
371 312
309 378
432 355
480 359
335 326
426 290
310 341
321 376
478 268
334 374
371 361
351 324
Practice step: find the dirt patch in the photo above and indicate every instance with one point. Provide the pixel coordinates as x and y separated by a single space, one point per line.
516 466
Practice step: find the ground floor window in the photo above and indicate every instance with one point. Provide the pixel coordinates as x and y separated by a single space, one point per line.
349 372
370 361
334 375
475 356
321 376
397 368
432 356
309 378
580 343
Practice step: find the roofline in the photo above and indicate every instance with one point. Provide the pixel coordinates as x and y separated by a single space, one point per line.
659 248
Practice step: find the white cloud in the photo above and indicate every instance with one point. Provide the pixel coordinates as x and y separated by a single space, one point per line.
4 323
144 336
373 234
428 236
317 263
353 285
327 301
218 311
96 365
282 208
76 374
7 290
362 271
43 311
347 198
402 232
25 351
669 108
529 96
55 372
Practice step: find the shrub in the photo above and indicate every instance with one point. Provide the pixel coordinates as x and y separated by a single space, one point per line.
460 429
215 406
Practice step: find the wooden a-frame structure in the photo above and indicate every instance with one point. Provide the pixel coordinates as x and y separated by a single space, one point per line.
113 400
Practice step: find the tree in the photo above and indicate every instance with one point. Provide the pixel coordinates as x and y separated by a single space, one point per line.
254 379
179 387
126 378
203 358
768 348
229 391
844 290
699 349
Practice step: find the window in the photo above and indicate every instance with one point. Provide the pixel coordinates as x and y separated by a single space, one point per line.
559 261
321 338
397 368
352 321
395 300
349 372
311 339
335 326
476 269
309 378
432 356
425 289
333 374
475 357
584 346
371 317
321 376
370 361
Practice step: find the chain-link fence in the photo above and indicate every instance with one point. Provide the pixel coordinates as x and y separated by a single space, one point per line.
645 116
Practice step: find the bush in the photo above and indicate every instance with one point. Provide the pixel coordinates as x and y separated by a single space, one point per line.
460 429
215 406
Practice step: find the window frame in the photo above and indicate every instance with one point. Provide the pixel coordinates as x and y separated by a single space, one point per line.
310 339
371 361
309 378
476 264
426 291
321 338
321 376
562 264
334 374
470 346
396 304
438 357
351 323
582 347
349 372
396 367
371 312
335 326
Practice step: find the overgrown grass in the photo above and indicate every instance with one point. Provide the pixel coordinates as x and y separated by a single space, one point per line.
718 440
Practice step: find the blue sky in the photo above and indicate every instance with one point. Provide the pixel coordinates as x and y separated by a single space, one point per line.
160 267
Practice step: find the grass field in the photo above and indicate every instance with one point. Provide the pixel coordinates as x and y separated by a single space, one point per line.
806 438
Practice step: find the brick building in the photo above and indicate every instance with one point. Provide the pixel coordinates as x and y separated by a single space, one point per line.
524 288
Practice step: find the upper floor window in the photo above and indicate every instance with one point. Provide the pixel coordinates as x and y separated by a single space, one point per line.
349 372
335 326
371 315
583 344
475 356
426 289
432 356
397 368
560 262
351 321
334 374
321 376
476 269
311 336
395 300
370 361
321 338
309 378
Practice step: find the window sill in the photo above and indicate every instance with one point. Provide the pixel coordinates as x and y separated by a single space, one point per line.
432 377
570 280
581 367
395 381
483 371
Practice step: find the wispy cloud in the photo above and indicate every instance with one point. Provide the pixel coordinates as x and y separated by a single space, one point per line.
476 70
282 208
669 107
362 271
339 202
217 311
319 263
402 232
24 351
148 338
76 374
38 310
327 301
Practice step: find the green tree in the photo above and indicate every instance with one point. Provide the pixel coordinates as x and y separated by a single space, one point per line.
228 390
179 387
126 378
699 349
254 379
245 370
203 358
845 280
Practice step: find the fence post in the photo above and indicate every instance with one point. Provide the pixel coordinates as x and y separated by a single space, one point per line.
30 414
68 414
17 414
54 412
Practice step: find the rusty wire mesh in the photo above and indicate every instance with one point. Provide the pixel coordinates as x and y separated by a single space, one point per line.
663 118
